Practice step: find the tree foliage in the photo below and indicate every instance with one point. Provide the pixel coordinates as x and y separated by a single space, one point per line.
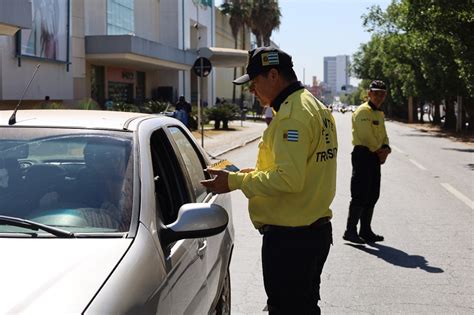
423 49
264 18
261 16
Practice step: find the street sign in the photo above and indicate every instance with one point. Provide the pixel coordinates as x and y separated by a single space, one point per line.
204 64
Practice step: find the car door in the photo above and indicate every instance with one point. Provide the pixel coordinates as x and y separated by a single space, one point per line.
184 259
212 247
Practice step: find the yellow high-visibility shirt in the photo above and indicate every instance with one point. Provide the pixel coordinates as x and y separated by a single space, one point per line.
368 128
294 181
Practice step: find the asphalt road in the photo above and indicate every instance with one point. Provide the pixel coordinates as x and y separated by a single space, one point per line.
425 212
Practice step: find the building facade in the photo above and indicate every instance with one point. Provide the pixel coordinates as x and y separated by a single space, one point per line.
121 50
14 15
336 73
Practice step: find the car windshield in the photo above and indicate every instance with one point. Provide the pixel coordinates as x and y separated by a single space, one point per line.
74 179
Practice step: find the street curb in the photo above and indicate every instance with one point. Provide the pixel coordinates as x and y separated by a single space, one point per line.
214 156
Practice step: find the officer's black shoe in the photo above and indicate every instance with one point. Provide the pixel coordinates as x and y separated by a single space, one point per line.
371 237
352 237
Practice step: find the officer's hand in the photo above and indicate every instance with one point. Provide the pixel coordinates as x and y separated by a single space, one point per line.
218 184
246 170
382 154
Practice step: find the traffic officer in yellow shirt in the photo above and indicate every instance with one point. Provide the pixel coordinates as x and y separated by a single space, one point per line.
292 186
371 148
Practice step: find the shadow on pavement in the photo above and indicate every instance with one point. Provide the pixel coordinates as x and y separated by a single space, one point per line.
397 257
460 150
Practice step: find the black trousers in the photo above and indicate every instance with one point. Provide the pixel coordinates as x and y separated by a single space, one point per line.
292 262
365 187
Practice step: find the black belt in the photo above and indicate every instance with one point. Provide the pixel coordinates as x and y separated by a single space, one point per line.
316 224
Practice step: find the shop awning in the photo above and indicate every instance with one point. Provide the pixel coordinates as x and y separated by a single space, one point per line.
224 57
142 53
129 50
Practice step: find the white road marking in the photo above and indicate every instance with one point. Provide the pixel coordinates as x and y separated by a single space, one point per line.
396 149
459 195
421 167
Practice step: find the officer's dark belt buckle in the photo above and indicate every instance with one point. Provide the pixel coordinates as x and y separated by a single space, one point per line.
316 224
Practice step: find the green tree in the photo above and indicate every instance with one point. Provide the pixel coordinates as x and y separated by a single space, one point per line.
422 48
239 15
264 18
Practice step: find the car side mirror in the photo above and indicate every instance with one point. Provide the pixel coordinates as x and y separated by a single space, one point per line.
195 220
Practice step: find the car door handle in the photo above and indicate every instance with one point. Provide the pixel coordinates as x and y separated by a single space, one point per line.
202 246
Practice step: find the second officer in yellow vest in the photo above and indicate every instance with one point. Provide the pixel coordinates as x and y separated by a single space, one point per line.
292 186
371 148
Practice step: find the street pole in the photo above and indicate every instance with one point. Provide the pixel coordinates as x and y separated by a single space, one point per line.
199 83
201 93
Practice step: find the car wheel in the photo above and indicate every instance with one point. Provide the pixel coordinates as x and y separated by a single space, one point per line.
223 305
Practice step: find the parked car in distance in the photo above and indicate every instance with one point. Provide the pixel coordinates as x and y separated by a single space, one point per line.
103 213
353 108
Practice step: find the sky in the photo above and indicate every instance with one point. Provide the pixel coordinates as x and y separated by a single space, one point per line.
313 29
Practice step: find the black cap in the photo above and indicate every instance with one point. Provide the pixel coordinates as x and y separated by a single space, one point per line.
377 85
261 59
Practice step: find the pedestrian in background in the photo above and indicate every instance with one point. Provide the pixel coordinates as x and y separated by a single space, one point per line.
292 186
46 104
371 148
183 110
268 113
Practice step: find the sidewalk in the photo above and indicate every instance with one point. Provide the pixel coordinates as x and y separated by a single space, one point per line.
218 142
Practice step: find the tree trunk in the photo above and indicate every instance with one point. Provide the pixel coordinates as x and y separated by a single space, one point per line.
243 69
225 124
422 112
450 119
436 116
236 44
233 86
468 106
217 124
259 40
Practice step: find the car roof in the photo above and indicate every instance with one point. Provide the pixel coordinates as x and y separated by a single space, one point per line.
69 118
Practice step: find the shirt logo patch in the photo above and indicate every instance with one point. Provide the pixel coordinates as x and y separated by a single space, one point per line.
375 122
291 135
270 58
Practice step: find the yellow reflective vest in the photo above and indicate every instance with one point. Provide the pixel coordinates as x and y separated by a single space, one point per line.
368 128
294 181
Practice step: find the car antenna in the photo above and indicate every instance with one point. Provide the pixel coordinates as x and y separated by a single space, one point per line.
12 119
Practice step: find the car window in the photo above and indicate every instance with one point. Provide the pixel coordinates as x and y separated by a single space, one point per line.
79 180
170 184
192 160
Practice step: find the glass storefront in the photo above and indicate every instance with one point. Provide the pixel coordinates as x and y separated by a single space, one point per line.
120 18
121 92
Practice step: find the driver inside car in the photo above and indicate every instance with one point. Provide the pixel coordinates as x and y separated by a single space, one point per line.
100 182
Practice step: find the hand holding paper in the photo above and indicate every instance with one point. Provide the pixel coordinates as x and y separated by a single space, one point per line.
219 184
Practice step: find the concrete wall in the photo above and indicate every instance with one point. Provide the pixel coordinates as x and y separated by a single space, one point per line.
51 79
95 17
14 15
224 38
78 52
169 16
178 21
147 19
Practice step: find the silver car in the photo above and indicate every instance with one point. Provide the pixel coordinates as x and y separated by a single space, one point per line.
103 213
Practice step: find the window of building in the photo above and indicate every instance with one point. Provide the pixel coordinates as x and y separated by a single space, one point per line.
120 19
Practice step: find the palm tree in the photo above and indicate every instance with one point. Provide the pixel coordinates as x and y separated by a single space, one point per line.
264 18
239 13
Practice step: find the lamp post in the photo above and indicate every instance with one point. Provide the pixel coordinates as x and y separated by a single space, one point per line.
199 3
